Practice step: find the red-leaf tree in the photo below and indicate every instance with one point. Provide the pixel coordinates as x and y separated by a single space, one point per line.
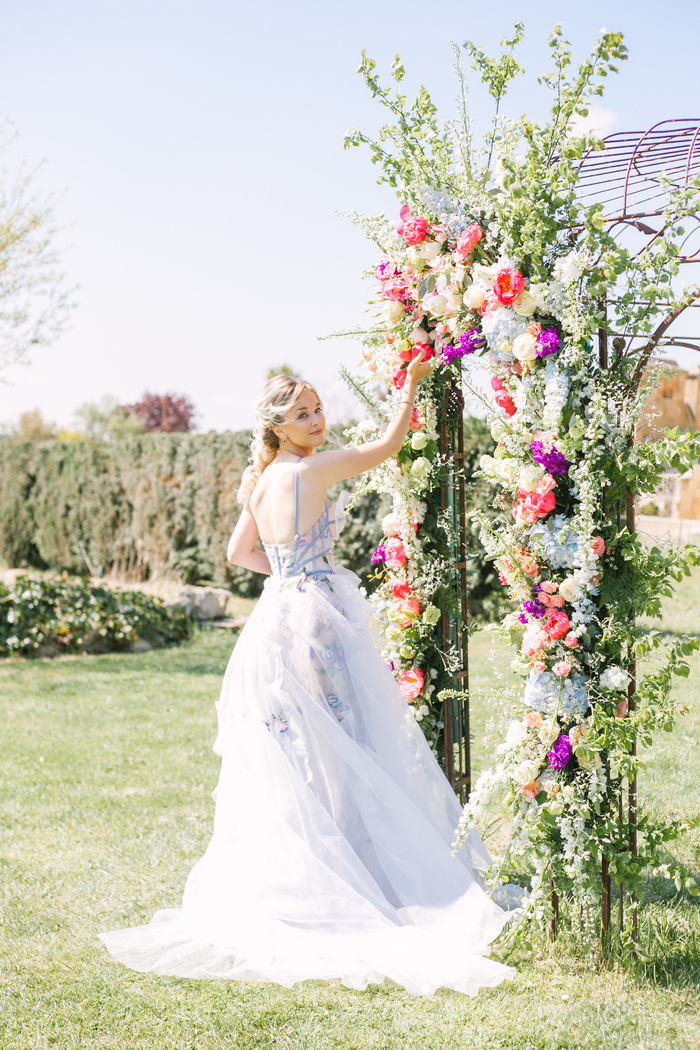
164 412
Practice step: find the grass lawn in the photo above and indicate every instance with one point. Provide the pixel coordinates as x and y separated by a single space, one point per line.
105 804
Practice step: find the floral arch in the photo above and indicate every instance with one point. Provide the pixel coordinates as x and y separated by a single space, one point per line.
507 263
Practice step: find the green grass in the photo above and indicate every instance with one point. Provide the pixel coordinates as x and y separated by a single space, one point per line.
105 804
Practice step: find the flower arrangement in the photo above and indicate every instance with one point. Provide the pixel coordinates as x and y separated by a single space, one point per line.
501 267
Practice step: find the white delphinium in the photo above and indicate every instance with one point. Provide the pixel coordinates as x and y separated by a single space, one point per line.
556 392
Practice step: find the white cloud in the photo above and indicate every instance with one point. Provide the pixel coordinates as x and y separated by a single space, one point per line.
599 120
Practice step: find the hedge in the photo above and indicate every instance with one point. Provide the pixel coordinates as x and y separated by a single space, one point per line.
156 504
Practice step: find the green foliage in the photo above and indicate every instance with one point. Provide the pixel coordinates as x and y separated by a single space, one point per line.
40 616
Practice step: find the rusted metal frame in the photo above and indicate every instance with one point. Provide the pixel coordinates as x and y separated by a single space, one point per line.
453 496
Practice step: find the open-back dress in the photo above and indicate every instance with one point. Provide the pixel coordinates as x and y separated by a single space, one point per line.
331 854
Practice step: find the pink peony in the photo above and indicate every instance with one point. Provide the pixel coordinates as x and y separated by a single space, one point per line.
490 304
416 420
546 484
562 669
395 289
622 708
467 239
534 639
571 640
411 683
396 554
410 607
557 624
598 546
508 285
497 383
398 376
425 348
412 228
531 790
505 401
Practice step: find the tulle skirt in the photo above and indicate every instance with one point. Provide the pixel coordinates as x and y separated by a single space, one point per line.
331 853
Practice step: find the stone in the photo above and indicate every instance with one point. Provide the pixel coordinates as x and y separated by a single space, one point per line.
201 603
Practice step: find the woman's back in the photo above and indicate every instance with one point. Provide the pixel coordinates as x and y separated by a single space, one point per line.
274 504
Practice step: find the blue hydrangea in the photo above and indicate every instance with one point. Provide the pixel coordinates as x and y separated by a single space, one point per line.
503 326
542 690
560 545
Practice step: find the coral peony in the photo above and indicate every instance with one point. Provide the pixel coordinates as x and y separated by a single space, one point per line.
396 554
410 608
467 239
530 790
508 285
598 546
411 683
505 401
412 228
401 588
398 376
416 420
496 383
556 625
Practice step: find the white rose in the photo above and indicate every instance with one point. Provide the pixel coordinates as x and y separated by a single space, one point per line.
529 476
437 305
614 678
524 772
525 347
429 250
474 297
569 589
507 469
498 429
421 468
419 440
525 305
487 464
419 335
515 733
393 311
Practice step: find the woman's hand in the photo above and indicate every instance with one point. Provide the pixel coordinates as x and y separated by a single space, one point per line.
420 368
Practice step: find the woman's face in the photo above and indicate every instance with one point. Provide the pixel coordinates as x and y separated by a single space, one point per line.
305 425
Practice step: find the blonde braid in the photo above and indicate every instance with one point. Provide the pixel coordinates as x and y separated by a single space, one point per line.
279 395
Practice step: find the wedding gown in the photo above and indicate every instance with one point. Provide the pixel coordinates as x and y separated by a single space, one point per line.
331 853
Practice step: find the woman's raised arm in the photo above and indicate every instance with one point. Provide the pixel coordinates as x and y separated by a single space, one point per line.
329 467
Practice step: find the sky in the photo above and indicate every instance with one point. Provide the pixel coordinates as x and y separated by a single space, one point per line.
197 151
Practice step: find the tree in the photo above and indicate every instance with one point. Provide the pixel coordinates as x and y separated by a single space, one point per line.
107 420
33 304
164 412
33 427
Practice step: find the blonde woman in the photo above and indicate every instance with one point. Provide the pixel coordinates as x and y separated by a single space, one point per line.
331 853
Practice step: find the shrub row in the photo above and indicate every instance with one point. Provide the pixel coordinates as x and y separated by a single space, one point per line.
42 617
156 504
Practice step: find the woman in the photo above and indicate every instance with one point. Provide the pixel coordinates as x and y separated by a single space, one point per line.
331 853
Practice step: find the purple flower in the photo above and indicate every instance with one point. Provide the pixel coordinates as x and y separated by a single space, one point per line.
547 342
467 343
560 753
379 555
523 618
553 461
534 608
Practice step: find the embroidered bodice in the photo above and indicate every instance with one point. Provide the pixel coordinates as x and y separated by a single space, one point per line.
311 553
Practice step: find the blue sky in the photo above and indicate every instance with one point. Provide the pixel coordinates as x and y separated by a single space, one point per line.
198 149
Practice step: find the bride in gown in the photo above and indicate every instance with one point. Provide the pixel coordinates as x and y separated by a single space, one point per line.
331 854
